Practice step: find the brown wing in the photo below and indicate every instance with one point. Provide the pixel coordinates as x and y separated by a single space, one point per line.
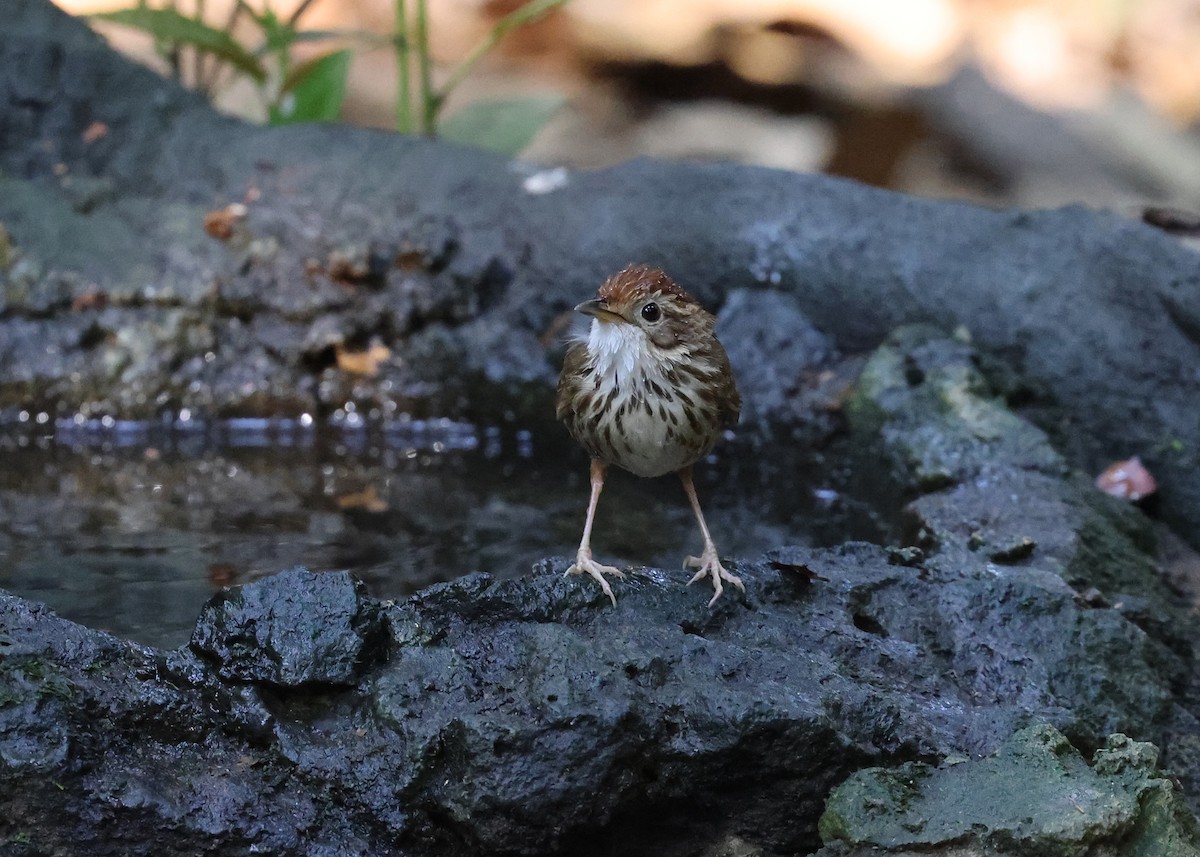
731 406
568 379
729 400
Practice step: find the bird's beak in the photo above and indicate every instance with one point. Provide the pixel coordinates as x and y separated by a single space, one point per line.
598 309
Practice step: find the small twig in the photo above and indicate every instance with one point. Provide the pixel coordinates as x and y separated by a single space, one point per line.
429 99
170 51
300 10
517 17
403 83
208 84
198 55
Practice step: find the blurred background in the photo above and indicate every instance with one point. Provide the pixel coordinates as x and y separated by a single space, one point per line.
1005 102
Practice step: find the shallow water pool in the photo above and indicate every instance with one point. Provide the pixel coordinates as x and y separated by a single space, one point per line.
132 527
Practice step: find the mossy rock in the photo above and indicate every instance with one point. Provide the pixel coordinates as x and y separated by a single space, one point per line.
1036 797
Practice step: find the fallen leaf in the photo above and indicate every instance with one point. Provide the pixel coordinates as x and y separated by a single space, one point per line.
222 574
350 265
90 299
1092 597
362 362
95 131
409 259
1128 479
1173 220
800 570
367 499
220 223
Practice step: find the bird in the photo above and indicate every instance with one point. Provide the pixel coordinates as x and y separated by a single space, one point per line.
649 389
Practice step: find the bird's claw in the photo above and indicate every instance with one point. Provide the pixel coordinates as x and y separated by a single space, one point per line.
586 565
710 566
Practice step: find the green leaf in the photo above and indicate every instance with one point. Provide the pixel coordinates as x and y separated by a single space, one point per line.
169 26
506 126
279 36
313 92
374 39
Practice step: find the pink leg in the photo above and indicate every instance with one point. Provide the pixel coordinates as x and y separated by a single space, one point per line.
707 562
583 559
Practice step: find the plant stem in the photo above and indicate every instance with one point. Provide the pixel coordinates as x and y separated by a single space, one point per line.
521 15
403 84
198 57
294 21
172 52
212 71
429 99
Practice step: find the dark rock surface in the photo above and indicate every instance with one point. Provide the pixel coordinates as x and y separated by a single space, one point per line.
290 630
985 490
1037 794
114 300
527 716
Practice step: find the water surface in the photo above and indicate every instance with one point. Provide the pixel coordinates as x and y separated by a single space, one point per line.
132 527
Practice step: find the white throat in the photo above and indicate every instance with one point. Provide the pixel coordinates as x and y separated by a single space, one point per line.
617 350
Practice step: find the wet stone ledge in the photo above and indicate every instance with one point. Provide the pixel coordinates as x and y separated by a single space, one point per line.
528 716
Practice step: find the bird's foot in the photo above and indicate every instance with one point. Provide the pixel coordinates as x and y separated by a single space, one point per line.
584 564
710 566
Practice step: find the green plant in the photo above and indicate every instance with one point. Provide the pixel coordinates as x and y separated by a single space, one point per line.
207 57
505 125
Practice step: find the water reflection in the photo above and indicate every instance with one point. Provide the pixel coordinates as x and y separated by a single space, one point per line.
132 527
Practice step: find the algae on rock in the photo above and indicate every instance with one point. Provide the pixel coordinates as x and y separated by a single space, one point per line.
1035 796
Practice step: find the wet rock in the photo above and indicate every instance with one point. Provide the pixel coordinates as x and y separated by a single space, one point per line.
527 716
987 489
356 263
772 347
483 716
938 423
292 629
988 481
1036 795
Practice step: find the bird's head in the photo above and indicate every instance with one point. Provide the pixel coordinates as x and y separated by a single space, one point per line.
643 300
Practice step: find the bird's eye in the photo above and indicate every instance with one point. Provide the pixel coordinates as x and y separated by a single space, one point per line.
651 312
